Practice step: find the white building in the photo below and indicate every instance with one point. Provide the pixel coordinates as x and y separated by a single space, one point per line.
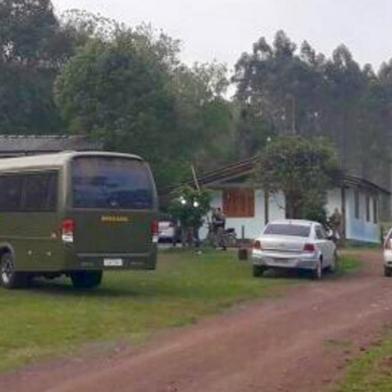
248 209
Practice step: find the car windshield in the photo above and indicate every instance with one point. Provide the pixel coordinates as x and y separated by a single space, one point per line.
287 229
112 183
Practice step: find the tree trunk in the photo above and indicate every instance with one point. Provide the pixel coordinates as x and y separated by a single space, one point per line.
293 207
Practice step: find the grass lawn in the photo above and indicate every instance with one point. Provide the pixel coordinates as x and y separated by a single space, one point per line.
53 319
372 372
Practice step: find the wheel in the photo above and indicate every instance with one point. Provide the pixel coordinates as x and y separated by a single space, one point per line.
86 279
334 264
317 273
387 272
258 270
231 241
9 278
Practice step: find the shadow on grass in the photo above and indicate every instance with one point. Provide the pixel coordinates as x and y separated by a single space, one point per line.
61 288
347 266
141 289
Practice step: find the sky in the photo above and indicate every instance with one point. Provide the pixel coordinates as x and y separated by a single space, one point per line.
222 30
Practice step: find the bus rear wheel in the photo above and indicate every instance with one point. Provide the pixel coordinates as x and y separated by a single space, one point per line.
86 279
9 278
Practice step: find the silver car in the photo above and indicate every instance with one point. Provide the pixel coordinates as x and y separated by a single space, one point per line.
294 244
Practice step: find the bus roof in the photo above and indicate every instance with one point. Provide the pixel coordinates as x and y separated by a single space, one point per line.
54 160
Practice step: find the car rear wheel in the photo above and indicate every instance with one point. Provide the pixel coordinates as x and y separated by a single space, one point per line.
9 278
86 279
334 264
258 270
388 271
317 273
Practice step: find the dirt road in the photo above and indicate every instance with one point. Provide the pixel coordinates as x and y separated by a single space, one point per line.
301 342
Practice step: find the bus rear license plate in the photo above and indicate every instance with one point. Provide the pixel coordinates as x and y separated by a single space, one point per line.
113 262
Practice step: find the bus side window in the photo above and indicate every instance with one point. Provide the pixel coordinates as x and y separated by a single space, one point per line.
10 193
52 192
40 192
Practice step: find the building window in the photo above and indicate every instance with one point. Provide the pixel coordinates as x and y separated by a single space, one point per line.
375 210
239 203
356 203
367 208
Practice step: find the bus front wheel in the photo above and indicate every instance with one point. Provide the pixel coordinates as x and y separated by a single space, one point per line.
86 279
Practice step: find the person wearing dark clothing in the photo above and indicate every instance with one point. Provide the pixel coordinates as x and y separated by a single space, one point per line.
218 227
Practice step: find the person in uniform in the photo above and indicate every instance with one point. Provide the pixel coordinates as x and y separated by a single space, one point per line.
218 228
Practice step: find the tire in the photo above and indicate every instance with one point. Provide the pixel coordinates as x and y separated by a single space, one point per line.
334 266
9 278
258 271
86 279
231 241
317 273
387 272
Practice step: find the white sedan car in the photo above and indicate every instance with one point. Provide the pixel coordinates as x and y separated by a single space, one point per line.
388 254
294 244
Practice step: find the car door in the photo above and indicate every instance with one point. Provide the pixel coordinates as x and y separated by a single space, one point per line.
324 244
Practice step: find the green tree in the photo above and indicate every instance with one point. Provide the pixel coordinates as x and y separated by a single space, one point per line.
119 91
303 169
190 206
279 92
33 48
203 114
282 90
129 90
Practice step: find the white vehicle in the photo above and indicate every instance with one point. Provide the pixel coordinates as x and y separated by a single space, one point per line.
388 254
294 244
167 230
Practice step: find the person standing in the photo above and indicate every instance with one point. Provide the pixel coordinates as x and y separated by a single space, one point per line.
218 227
336 223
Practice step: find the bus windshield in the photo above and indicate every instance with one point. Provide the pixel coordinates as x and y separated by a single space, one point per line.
111 183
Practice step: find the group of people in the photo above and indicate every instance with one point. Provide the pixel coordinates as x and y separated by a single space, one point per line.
217 230
189 236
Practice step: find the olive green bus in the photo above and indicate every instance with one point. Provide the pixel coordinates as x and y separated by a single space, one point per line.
76 214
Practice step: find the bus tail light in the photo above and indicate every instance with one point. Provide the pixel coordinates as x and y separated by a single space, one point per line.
67 231
155 231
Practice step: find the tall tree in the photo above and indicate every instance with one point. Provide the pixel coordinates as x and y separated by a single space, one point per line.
130 90
282 91
119 91
204 116
304 169
33 48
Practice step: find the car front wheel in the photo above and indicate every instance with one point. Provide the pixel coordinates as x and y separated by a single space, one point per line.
258 271
388 271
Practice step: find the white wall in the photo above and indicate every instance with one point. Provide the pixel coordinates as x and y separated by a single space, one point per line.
252 226
356 229
334 200
360 229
